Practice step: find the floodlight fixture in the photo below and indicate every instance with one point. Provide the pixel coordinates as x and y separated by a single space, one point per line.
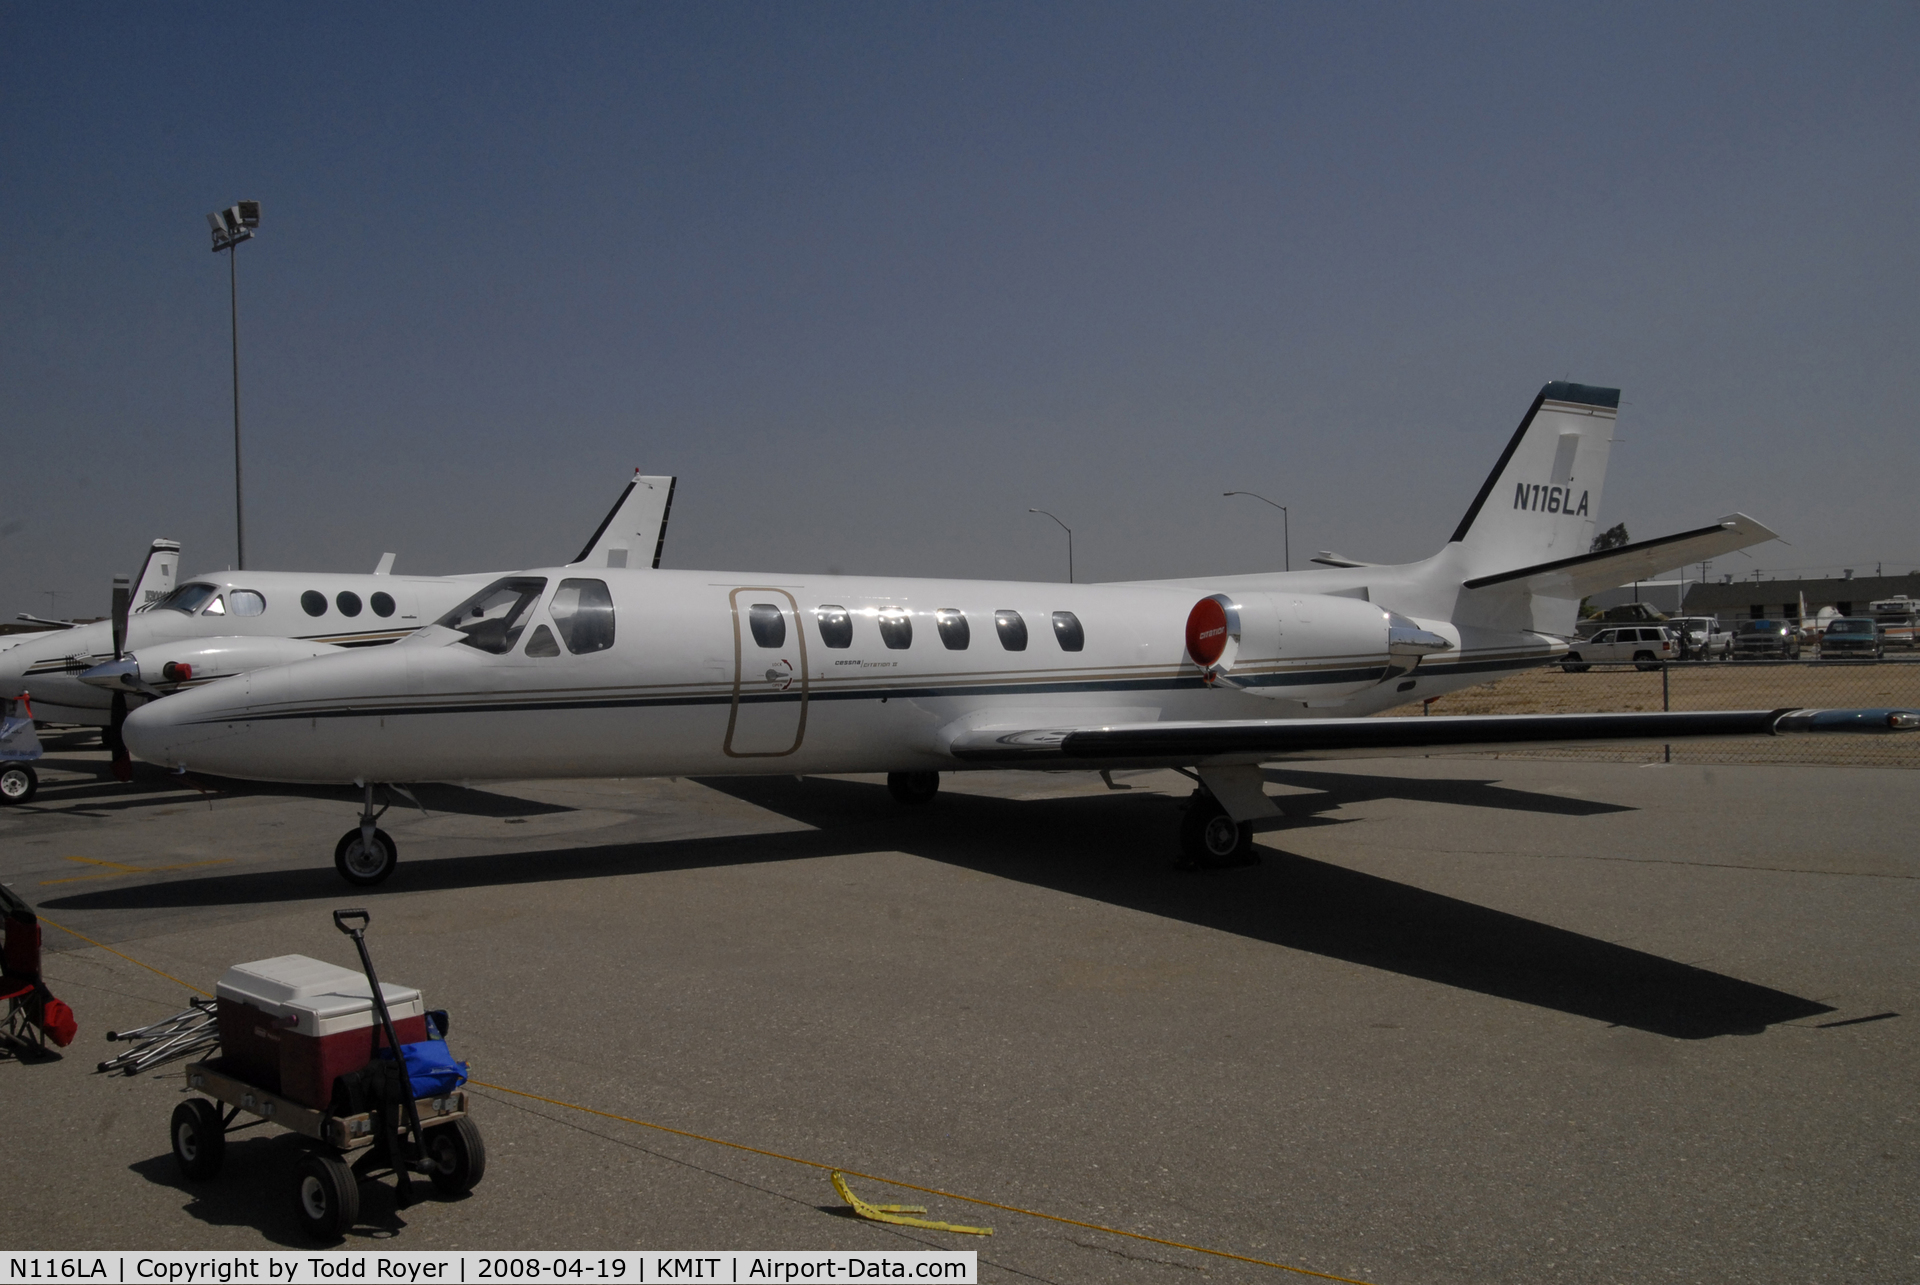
230 227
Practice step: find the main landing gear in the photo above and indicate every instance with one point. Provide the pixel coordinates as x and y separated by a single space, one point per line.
365 855
1210 839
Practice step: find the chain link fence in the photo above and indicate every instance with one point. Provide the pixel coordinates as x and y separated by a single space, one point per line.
1701 685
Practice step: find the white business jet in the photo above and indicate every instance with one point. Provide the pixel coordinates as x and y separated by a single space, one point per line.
561 672
164 639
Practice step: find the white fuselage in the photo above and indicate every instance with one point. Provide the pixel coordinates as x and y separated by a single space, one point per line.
690 685
310 607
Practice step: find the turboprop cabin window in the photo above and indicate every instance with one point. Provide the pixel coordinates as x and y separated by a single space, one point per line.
952 623
582 611
896 628
836 626
313 603
246 602
349 603
1012 630
188 597
493 618
382 604
1066 628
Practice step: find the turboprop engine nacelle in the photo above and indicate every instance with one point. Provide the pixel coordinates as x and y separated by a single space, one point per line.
170 666
1315 648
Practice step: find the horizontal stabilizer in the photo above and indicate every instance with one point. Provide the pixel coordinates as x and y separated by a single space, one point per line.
1588 573
1183 744
634 532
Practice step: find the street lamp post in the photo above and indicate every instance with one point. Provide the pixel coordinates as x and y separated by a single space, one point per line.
1286 535
1069 531
231 226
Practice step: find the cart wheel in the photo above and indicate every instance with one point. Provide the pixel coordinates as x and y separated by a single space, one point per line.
18 783
326 1195
457 1156
360 865
199 1138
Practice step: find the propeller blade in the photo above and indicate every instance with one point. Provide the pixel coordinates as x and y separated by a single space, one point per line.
122 598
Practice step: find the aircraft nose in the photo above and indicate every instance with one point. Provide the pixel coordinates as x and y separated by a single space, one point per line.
184 729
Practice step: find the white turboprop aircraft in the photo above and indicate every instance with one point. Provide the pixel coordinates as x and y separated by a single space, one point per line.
222 624
562 673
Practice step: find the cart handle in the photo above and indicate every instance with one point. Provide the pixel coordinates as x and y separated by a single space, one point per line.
342 917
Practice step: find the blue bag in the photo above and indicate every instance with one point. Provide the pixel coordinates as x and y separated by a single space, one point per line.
430 1068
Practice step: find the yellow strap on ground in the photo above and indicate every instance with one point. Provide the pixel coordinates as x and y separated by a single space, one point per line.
838 1175
897 1214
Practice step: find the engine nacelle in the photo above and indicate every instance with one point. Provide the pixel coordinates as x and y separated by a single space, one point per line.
1314 648
198 660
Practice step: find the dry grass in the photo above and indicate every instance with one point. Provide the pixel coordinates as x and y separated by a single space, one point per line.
1709 686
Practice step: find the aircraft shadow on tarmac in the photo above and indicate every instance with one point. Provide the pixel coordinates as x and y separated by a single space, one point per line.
1114 848
254 1188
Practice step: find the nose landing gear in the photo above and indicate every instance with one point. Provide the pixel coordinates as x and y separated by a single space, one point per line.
365 854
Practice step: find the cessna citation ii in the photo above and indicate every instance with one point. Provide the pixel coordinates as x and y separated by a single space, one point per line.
164 639
565 672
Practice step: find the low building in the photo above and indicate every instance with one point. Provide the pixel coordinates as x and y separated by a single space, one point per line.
1764 599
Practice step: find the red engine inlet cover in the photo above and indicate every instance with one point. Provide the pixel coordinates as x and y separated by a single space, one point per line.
1206 632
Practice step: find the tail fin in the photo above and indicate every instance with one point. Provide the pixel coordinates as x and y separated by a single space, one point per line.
157 574
1539 503
635 530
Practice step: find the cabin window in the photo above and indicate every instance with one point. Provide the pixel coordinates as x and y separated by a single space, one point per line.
836 626
768 624
246 602
1067 631
189 597
313 603
215 608
493 618
382 604
349 603
896 628
542 643
952 623
582 611
1012 630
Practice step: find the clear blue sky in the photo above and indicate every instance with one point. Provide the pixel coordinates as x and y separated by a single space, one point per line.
874 280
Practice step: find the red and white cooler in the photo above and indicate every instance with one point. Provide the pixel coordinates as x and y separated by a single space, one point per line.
292 1025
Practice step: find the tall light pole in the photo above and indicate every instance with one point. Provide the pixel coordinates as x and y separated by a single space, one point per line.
1286 535
231 226
1069 531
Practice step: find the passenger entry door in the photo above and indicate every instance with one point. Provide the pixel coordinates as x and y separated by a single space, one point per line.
769 714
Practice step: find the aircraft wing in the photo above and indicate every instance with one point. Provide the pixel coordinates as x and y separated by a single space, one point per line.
635 530
1586 573
1253 740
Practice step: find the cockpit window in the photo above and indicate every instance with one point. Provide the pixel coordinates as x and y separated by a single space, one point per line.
188 597
582 611
493 618
247 602
217 607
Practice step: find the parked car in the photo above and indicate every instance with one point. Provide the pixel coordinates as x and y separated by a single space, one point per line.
1701 637
1647 646
1853 636
1766 640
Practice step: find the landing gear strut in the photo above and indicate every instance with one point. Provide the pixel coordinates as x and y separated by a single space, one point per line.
365 855
1210 839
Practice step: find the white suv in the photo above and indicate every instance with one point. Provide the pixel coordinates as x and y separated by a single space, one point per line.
1645 645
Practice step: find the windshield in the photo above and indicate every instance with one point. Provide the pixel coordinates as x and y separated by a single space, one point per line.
493 618
1851 627
187 598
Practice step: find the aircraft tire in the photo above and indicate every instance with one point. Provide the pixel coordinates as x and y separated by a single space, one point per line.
361 868
18 783
1211 840
913 787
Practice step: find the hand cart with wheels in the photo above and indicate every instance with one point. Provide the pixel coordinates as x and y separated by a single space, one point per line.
397 1132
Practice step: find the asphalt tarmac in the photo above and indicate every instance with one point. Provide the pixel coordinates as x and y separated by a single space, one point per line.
1469 1020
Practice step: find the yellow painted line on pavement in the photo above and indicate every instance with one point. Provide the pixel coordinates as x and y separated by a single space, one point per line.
121 871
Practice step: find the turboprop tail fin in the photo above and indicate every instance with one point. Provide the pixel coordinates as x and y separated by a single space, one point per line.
1539 503
157 574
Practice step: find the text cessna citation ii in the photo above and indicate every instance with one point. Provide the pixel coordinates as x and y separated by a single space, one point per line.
569 673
